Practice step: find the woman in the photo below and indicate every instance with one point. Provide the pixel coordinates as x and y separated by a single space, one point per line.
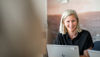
70 33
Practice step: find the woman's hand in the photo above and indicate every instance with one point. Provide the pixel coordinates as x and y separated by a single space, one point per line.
86 53
82 56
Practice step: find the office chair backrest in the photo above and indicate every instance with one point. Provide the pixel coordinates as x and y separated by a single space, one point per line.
96 45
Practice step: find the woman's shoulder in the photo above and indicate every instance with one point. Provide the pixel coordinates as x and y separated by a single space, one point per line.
85 31
60 34
58 38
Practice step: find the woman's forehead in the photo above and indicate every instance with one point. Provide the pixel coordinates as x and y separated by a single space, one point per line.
71 17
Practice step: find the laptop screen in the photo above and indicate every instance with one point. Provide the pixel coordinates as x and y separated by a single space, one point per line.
62 50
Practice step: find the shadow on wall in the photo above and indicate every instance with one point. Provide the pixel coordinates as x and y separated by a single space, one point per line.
88 20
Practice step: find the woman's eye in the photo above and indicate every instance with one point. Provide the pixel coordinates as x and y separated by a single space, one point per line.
67 21
73 20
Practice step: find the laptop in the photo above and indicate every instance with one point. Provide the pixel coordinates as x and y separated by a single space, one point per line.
62 50
94 53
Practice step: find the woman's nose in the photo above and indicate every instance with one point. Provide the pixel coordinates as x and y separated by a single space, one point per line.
71 23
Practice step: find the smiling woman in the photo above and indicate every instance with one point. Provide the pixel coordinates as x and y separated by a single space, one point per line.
70 33
70 23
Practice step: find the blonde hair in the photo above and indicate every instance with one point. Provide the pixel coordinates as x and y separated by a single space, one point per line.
66 13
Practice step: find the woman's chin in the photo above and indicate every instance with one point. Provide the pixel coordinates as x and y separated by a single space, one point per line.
72 30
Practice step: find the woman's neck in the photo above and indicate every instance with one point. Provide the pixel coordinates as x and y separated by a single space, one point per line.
73 34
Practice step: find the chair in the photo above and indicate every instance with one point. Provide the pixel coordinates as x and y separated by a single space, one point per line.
96 46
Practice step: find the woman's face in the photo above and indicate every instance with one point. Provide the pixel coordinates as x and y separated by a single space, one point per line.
71 23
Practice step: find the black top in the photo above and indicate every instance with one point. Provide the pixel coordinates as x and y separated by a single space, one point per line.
83 40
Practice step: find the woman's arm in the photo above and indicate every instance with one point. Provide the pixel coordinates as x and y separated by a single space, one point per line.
57 40
86 54
89 45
